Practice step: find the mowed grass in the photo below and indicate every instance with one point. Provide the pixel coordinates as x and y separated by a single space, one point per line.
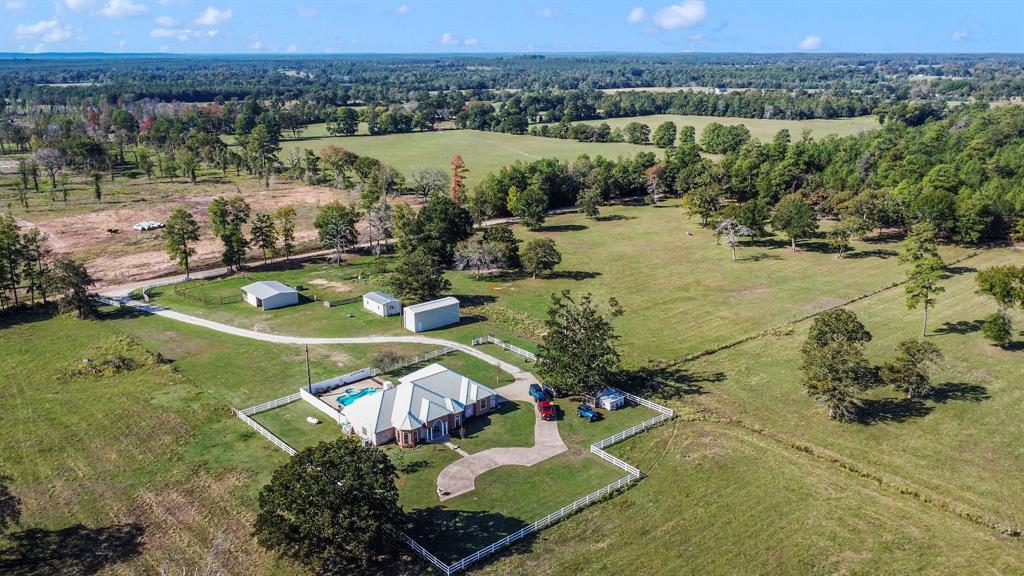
961 446
760 128
483 152
510 497
719 500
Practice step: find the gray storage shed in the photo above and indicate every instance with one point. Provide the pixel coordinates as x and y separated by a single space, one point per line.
431 315
270 294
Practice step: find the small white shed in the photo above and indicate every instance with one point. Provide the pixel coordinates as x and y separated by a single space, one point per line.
611 399
269 294
431 315
382 304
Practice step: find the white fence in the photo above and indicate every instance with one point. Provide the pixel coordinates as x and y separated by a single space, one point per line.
633 475
265 433
488 339
412 361
270 405
322 406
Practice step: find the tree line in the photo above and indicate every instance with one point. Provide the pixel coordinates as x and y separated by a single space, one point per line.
340 79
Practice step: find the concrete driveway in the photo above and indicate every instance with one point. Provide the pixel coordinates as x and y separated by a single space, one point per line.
459 477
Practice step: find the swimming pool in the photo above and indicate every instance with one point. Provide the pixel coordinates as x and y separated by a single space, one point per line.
351 395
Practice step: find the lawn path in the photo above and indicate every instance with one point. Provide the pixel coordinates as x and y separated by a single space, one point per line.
458 477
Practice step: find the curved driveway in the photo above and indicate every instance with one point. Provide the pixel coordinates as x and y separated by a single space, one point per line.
458 477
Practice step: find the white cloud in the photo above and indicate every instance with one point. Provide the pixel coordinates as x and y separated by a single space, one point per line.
56 35
959 35
164 48
292 48
305 11
14 5
636 15
117 33
41 27
121 44
122 9
810 43
695 37
212 17
685 15
256 45
79 5
545 13
449 39
166 21
48 31
182 34
471 42
402 9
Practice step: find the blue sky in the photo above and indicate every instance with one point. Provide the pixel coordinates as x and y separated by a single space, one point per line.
187 26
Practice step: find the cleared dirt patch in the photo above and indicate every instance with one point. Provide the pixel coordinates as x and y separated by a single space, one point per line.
336 286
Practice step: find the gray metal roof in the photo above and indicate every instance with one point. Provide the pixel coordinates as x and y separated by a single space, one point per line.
267 288
433 304
379 297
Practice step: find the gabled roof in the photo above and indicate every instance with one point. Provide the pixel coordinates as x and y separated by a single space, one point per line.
449 383
433 304
379 297
267 288
421 397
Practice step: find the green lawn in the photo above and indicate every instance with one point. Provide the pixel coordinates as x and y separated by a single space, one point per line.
289 423
760 129
511 425
483 152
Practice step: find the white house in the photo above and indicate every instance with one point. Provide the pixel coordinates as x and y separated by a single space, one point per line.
382 304
424 407
431 315
269 294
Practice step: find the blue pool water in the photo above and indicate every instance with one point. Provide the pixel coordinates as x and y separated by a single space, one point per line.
353 395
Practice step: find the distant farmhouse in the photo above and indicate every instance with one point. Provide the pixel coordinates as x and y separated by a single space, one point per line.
269 294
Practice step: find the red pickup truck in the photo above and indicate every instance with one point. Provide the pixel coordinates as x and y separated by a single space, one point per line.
546 409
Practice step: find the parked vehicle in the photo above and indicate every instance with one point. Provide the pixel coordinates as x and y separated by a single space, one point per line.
546 409
537 392
586 411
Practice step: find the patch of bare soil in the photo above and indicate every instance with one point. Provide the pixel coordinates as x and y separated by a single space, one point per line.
128 255
336 286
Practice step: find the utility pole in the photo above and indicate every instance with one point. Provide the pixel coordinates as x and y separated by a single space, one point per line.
309 380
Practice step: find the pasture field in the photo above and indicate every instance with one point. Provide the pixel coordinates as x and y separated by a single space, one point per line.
718 499
681 292
751 477
483 152
760 128
959 445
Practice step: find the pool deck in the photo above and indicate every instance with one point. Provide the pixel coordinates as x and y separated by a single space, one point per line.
332 397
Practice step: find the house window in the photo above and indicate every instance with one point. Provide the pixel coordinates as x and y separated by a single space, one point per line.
483 404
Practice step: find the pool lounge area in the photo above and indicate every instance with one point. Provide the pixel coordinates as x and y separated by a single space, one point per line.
350 395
